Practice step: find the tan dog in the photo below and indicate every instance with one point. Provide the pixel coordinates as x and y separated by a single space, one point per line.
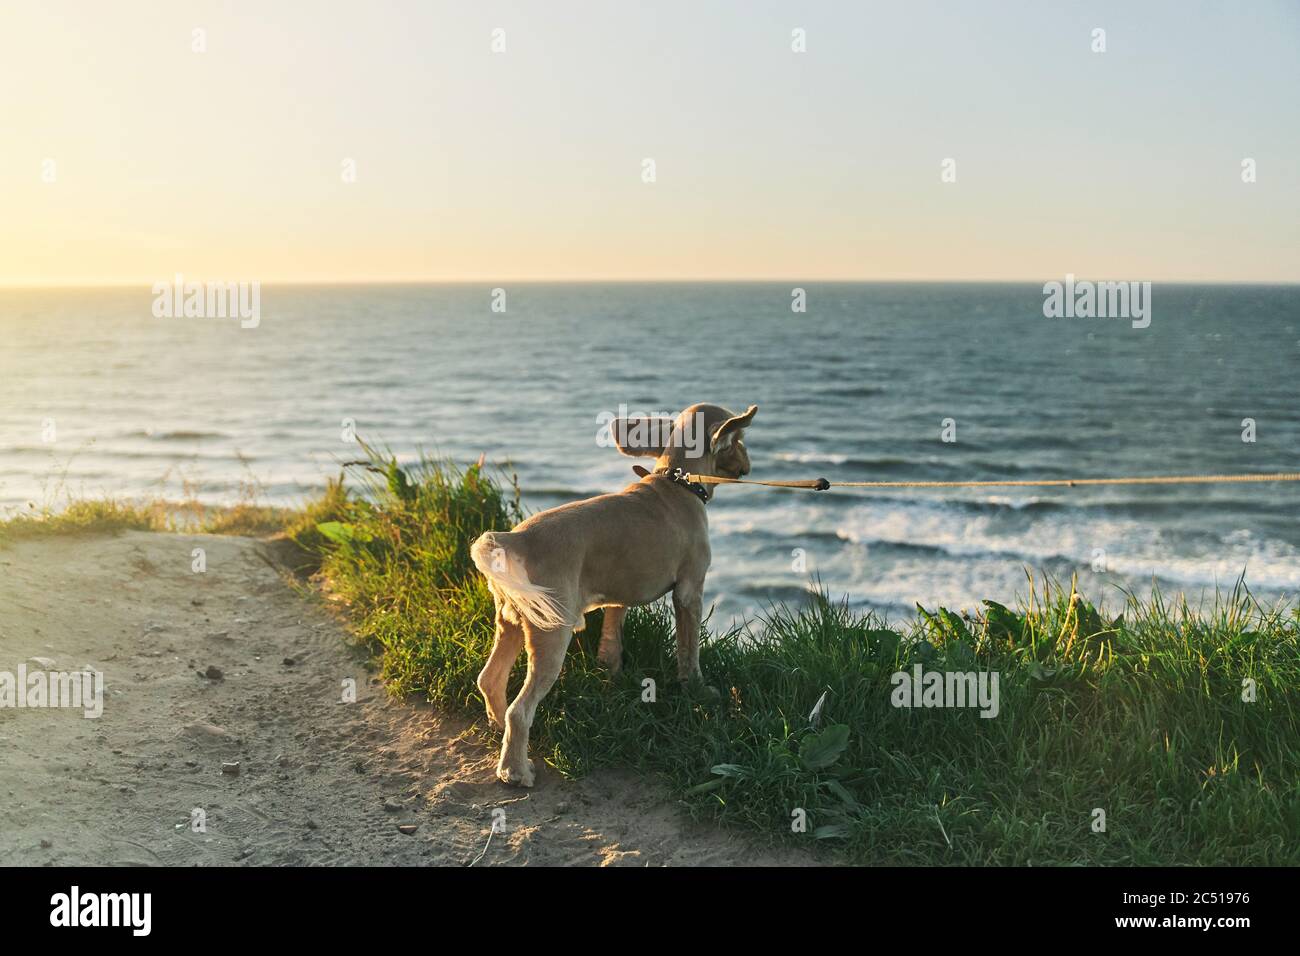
613 552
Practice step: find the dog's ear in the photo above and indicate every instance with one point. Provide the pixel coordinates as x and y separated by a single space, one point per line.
641 436
725 433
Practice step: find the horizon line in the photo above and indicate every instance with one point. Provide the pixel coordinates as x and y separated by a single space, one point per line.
28 284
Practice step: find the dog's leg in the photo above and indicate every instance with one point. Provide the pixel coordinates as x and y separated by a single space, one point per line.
495 675
688 600
610 654
546 651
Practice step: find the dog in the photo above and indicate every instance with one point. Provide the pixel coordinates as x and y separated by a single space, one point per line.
613 551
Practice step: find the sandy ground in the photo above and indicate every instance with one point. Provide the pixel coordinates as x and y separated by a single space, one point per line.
319 781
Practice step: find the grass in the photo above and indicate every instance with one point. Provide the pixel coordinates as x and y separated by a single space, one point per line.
1141 717
84 517
112 516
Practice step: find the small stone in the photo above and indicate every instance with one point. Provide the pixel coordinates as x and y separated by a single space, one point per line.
288 662
231 768
214 673
392 806
46 844
407 828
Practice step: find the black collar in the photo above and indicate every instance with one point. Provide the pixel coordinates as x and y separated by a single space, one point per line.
678 477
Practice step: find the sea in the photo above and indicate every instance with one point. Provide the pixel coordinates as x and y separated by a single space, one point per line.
99 396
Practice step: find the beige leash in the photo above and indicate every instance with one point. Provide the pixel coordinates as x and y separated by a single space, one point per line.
821 484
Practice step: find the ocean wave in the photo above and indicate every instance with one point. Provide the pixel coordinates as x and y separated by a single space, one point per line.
921 467
851 391
778 591
88 452
178 435
839 460
1128 548
888 531
812 457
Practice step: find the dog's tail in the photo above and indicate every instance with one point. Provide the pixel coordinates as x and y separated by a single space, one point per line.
520 597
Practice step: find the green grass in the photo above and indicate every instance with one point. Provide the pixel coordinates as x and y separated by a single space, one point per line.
112 516
1141 716
83 517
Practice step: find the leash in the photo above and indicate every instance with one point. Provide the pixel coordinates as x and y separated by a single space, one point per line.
821 484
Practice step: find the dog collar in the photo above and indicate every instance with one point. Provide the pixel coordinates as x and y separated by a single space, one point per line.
678 477
694 487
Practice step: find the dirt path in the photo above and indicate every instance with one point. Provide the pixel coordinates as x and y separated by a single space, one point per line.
319 781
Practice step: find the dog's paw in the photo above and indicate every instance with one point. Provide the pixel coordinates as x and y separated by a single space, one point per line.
523 776
703 693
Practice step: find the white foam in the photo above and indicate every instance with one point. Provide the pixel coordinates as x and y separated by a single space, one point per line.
978 556
811 457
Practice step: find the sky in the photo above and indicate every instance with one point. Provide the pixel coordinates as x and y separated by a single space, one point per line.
130 156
